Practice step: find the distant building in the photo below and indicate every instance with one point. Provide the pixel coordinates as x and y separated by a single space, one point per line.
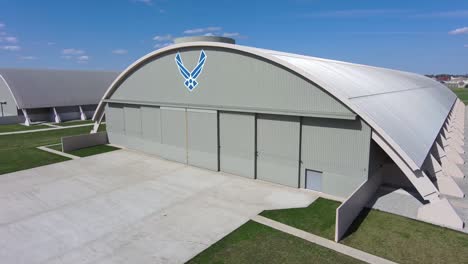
36 95
457 82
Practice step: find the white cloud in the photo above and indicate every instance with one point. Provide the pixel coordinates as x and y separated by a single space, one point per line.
120 51
82 59
231 34
10 48
163 37
28 58
209 34
72 51
202 30
459 31
355 13
66 57
50 43
11 39
2 33
466 46
2 25
444 14
161 45
146 2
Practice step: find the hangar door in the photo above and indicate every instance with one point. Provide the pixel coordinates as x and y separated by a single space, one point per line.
174 134
202 138
278 149
190 136
237 143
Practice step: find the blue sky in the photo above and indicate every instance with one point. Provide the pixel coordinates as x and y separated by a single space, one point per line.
418 36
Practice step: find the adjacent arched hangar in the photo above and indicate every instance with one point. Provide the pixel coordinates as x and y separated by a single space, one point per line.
294 120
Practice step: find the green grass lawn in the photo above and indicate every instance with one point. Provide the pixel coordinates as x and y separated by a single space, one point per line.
257 243
18 127
386 235
74 123
19 152
85 152
318 218
407 241
462 94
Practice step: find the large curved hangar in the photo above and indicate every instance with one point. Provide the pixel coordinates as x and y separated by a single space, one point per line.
290 119
29 95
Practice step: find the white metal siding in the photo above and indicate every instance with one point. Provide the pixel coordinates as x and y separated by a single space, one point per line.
151 123
174 134
115 123
115 119
202 137
278 149
338 148
132 117
237 143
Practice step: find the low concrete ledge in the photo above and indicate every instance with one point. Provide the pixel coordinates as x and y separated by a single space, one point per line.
84 141
350 209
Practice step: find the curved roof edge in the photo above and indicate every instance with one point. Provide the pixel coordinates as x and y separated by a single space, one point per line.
9 88
38 88
273 57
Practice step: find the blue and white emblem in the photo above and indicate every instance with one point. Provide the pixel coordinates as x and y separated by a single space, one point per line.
191 77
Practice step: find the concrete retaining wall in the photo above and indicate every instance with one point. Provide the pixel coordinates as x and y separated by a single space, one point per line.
350 209
84 141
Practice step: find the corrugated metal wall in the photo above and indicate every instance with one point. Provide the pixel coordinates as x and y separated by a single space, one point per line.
202 135
339 149
174 134
237 143
9 109
115 124
229 81
278 149
261 108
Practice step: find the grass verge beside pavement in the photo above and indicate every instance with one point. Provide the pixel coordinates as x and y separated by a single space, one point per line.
462 93
74 123
257 243
386 235
318 218
19 151
18 127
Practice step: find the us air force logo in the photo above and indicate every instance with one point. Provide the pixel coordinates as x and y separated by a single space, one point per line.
191 76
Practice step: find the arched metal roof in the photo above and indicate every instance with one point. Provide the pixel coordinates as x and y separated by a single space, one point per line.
406 109
37 88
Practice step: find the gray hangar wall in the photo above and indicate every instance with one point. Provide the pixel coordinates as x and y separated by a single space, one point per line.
247 116
9 108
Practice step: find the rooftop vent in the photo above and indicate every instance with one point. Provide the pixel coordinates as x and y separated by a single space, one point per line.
205 38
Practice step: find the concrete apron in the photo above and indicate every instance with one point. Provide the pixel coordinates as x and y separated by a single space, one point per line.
126 206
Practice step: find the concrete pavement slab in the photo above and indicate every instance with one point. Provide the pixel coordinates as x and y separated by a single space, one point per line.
127 207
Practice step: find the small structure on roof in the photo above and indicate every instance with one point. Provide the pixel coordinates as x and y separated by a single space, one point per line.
36 95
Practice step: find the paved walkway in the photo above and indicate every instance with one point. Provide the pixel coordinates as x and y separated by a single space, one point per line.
352 252
43 129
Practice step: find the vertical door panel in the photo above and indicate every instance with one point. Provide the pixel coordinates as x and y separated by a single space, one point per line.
278 149
174 134
202 138
237 143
